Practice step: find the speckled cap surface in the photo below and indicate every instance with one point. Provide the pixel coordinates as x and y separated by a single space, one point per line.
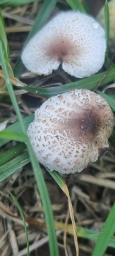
73 39
70 130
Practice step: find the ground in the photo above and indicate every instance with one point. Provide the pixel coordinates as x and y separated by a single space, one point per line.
92 191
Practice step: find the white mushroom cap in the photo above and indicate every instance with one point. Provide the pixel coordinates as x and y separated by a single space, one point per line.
72 39
70 130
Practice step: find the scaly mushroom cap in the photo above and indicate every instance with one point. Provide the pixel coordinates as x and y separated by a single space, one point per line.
70 130
72 39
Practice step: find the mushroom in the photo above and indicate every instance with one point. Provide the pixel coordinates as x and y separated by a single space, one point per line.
70 130
71 39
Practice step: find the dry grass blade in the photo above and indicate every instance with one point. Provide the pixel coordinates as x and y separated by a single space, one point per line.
97 181
64 188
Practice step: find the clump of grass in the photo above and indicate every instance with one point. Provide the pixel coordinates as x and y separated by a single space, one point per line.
13 160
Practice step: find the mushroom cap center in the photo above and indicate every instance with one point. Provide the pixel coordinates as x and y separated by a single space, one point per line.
60 48
89 122
85 126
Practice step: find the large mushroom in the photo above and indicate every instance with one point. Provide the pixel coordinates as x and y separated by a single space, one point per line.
70 130
71 39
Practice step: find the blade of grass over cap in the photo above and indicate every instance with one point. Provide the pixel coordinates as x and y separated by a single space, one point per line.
91 83
110 99
41 18
76 5
105 235
36 168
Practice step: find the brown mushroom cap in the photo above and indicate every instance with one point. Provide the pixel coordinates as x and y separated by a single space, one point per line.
70 130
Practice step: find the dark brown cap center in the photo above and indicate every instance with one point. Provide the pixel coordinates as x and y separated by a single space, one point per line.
60 48
85 125
89 123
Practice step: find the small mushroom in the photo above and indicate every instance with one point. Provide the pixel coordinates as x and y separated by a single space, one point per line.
70 130
71 39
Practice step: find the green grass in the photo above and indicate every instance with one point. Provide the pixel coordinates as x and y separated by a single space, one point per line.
22 159
36 168
21 213
106 233
13 160
76 5
107 22
16 2
92 83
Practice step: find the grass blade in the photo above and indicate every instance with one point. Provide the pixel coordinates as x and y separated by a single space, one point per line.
58 179
36 168
16 2
14 128
105 234
110 99
76 5
93 235
3 34
107 22
16 203
5 134
46 204
91 83
90 234
14 165
107 30
8 154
